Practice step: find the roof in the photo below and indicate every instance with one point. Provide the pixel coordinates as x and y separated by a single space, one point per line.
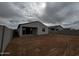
56 26
32 22
15 27
67 29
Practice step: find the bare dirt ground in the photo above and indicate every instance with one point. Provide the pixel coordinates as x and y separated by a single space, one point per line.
44 45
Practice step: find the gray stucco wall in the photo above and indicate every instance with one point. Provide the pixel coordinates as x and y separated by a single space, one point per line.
34 24
7 37
1 29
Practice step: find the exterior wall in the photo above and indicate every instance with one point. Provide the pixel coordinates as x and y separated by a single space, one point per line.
37 25
1 29
60 28
40 27
56 29
20 31
7 37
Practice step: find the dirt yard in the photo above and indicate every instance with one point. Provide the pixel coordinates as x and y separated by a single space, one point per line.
44 45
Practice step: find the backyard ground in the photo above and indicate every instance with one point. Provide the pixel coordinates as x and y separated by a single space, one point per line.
44 45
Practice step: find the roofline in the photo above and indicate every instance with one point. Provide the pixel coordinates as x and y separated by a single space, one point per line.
32 22
55 26
23 24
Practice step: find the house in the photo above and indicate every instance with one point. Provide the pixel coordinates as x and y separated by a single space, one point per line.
67 29
56 28
5 36
32 28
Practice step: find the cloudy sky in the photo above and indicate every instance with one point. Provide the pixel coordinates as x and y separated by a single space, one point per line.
65 14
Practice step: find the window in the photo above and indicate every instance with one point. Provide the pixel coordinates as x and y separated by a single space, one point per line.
23 30
29 30
56 29
43 29
52 29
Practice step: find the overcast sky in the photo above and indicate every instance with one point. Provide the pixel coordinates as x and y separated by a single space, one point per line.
50 13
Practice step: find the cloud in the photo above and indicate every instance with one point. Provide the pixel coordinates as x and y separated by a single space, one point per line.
8 10
51 13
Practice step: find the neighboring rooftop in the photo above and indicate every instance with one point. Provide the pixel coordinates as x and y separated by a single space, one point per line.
55 26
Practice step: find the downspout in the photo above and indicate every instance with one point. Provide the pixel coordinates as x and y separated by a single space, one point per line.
2 40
